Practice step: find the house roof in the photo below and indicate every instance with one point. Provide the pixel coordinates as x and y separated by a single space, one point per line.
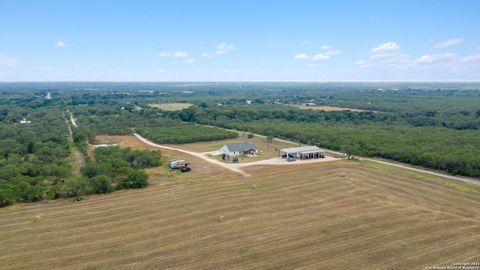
303 149
239 147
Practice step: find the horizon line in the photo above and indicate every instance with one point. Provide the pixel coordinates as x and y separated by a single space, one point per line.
257 81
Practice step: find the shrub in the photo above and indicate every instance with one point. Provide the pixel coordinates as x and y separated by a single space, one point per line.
135 179
77 187
101 184
6 197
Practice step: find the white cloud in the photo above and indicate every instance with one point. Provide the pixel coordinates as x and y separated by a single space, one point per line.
301 56
360 62
389 50
60 44
44 68
160 71
471 58
386 55
321 57
332 52
173 54
385 47
449 43
189 60
324 56
436 58
7 61
226 46
221 48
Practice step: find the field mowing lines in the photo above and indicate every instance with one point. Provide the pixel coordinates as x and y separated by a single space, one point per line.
131 220
433 194
427 183
74 209
444 240
181 248
364 247
438 248
200 241
302 243
434 201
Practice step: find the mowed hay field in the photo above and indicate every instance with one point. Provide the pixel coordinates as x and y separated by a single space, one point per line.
171 106
339 215
328 108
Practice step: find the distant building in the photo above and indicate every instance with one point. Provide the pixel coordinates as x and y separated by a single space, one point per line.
25 121
238 149
309 104
48 96
304 152
249 102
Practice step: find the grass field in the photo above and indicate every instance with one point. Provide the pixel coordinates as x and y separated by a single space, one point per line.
338 215
171 106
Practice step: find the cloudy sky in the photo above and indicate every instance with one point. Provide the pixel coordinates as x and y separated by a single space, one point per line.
239 40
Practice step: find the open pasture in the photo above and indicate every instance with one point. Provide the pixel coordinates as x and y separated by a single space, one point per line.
171 106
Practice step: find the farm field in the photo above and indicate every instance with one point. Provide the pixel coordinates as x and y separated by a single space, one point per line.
328 108
338 215
171 106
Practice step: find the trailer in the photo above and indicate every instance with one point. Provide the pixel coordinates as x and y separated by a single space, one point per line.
175 164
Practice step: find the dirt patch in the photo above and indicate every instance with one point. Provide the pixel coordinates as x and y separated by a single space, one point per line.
77 161
171 106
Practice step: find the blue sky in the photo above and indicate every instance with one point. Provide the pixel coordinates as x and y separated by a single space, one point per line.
239 40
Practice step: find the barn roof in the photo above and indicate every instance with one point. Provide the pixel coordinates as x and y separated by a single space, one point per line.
239 147
311 149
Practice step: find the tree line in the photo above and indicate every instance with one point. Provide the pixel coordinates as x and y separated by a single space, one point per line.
454 151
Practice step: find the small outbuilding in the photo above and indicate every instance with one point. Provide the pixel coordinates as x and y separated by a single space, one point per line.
304 152
238 149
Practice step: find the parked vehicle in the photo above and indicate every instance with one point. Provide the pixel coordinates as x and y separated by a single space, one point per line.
175 164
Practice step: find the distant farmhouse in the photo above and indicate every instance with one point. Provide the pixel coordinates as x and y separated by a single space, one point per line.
305 152
25 121
238 149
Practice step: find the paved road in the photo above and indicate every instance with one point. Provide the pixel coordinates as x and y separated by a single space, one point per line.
399 165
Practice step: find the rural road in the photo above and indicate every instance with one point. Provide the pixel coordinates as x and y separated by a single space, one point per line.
399 165
74 123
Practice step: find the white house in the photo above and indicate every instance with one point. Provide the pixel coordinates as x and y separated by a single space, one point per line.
25 121
238 149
